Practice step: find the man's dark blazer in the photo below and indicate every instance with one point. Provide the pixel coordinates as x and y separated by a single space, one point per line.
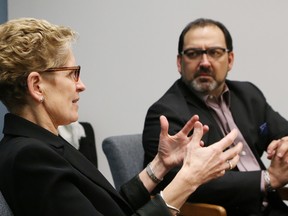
257 121
42 174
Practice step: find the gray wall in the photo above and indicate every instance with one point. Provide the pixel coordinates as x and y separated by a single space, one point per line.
3 11
127 50
3 18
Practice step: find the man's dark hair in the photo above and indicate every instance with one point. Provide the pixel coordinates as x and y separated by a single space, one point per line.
202 22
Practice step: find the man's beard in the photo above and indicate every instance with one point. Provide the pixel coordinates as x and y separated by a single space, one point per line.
203 84
203 87
204 81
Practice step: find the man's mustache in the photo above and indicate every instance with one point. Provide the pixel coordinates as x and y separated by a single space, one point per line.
202 71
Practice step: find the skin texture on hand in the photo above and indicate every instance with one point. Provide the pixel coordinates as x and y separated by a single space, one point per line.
201 164
211 162
172 149
278 154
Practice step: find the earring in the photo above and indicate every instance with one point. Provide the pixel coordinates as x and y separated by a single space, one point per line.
41 99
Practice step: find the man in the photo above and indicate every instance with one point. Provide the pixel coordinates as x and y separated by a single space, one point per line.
205 56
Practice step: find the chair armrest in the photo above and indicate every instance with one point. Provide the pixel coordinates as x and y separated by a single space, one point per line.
200 209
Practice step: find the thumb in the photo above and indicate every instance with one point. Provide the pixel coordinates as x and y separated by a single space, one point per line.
164 125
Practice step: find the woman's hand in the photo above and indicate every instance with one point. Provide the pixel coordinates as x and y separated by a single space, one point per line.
172 149
202 164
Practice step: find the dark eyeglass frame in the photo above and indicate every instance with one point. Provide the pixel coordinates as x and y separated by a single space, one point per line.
75 69
209 52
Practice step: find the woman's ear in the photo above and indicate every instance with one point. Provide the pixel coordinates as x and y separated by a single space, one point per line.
33 83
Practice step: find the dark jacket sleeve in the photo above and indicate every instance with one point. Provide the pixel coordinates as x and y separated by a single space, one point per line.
138 197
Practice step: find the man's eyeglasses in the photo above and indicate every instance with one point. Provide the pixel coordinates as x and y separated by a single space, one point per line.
213 53
75 71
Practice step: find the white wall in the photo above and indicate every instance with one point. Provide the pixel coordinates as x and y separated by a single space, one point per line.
127 51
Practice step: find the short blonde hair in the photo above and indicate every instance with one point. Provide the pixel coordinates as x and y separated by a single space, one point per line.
27 45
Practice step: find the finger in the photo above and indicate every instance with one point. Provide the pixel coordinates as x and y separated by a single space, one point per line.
284 138
205 129
232 163
270 155
282 148
271 149
190 124
202 143
231 156
220 173
233 152
285 157
225 142
197 135
164 124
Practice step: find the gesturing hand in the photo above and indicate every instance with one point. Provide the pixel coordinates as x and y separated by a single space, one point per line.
202 164
172 149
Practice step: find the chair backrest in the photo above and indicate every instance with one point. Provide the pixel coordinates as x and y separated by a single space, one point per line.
4 208
87 145
125 155
84 133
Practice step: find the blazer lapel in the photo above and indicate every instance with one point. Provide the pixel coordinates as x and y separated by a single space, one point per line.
84 166
241 118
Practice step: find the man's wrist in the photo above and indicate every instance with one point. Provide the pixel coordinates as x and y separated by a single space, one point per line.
267 180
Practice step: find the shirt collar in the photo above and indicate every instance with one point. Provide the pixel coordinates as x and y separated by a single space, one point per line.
225 96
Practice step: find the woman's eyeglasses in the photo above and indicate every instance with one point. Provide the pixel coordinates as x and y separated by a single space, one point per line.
75 71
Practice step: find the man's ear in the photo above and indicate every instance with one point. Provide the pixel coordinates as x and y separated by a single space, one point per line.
230 60
179 63
33 83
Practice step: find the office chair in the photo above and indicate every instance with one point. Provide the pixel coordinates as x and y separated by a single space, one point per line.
88 144
125 155
83 131
4 208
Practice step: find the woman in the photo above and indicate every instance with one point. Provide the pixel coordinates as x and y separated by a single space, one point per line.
42 174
